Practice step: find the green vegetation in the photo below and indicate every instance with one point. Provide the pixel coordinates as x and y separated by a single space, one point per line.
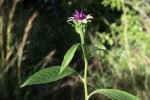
35 35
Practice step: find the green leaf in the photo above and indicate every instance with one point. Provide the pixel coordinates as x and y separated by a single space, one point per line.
94 49
47 75
68 57
115 94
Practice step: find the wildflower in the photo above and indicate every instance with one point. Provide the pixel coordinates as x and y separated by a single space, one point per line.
80 18
80 21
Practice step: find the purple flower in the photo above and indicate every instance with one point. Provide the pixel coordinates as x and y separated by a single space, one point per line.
80 17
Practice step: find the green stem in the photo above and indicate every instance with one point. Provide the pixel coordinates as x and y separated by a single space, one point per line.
86 66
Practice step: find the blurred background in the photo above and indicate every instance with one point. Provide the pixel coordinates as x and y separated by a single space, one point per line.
34 34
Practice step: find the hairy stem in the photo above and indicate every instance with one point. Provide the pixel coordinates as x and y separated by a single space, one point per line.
86 66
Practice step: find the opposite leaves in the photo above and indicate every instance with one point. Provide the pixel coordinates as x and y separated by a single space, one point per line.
47 75
115 94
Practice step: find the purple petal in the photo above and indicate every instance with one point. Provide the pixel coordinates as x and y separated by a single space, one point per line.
81 14
77 14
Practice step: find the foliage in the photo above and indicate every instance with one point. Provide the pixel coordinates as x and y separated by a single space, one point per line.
68 57
48 75
34 34
115 94
128 40
52 74
114 4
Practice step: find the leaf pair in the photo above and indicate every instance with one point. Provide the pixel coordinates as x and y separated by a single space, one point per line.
54 73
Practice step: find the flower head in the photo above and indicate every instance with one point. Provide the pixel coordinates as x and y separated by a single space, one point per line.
80 21
80 18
